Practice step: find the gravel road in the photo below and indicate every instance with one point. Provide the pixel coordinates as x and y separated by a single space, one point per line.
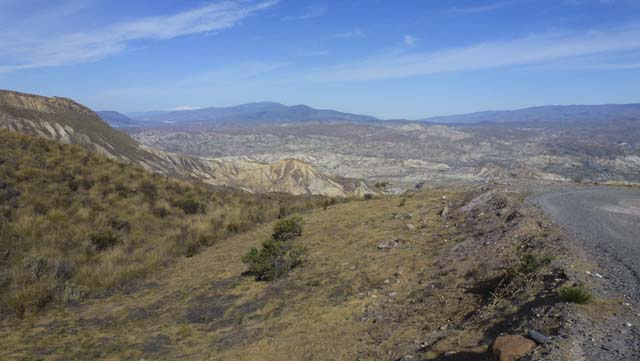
605 222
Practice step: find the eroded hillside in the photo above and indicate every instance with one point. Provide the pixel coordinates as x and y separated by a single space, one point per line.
406 154
66 121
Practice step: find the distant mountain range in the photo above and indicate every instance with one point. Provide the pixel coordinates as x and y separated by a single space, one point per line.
549 113
263 112
270 112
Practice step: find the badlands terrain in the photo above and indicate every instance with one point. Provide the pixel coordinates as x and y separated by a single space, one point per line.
561 144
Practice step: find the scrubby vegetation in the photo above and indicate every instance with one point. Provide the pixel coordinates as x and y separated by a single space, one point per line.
576 294
520 278
279 254
72 222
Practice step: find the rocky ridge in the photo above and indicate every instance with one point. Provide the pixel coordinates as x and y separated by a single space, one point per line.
69 122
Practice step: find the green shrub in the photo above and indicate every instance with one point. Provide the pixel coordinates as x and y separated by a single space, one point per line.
279 254
104 240
531 264
288 229
368 196
577 294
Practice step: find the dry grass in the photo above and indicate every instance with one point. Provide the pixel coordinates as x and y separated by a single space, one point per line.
350 299
56 200
207 310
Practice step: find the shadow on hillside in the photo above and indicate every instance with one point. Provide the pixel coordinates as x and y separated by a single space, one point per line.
525 311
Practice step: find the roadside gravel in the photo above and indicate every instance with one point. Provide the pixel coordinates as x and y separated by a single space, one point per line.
605 224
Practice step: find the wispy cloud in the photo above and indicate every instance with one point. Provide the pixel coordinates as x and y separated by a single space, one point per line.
310 12
355 33
409 40
482 8
531 50
184 107
36 52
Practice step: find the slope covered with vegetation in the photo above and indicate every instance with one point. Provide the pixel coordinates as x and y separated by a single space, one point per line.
73 223
384 279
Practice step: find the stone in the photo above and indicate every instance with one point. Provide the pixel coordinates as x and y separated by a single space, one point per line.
411 226
538 337
510 348
387 244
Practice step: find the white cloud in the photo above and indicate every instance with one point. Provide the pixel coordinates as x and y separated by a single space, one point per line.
531 50
184 107
409 40
72 48
310 12
482 8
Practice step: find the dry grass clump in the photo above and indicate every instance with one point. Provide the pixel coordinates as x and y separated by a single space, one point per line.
72 222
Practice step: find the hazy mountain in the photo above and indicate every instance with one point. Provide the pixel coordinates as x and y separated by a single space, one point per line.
263 112
115 119
68 122
550 113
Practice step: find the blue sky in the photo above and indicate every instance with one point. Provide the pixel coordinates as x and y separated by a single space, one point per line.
392 59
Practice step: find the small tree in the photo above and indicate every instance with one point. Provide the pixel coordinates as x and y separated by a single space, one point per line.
279 254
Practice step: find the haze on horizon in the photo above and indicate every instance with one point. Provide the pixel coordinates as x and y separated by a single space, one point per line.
409 59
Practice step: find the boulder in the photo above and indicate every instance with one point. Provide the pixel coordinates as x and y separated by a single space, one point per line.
510 348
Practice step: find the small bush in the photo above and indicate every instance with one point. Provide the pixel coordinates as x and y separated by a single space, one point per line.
149 191
191 206
38 267
531 264
576 294
368 196
160 212
119 224
288 229
279 254
104 240
328 202
64 269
